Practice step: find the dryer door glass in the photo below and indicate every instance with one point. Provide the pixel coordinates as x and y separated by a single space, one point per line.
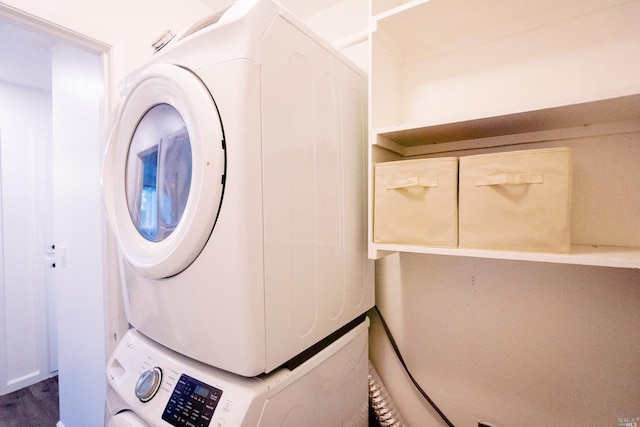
158 172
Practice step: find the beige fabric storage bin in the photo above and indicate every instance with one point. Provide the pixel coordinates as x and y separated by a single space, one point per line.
517 200
416 202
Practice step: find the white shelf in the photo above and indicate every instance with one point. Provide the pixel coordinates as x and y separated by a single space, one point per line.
610 110
459 77
603 256
605 203
443 61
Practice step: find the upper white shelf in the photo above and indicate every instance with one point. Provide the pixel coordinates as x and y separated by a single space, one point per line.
455 77
443 61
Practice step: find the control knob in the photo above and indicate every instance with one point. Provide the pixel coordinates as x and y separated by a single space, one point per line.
148 384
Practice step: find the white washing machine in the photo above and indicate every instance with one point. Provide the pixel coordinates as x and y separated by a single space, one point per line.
235 185
152 385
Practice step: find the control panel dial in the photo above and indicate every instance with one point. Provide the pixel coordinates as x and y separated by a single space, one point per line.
148 384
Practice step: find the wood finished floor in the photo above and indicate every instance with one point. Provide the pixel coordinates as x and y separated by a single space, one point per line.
34 406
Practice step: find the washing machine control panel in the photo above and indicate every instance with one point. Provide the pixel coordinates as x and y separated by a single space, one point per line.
192 403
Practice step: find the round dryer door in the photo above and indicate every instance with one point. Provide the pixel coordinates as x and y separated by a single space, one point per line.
163 174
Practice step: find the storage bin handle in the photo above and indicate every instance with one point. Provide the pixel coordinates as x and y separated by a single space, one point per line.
412 182
510 178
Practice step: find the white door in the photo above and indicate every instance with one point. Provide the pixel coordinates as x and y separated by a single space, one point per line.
28 351
26 260
44 166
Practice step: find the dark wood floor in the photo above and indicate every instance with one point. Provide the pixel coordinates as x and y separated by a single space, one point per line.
35 406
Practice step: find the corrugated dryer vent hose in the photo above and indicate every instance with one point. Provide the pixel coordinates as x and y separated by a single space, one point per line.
382 406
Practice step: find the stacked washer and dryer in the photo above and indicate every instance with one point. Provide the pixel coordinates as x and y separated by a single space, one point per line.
235 185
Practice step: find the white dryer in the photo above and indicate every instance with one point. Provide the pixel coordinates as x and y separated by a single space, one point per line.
235 185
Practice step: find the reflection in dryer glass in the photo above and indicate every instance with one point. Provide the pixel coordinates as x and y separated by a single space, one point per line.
158 175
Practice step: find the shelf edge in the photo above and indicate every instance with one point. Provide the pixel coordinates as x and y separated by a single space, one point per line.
588 255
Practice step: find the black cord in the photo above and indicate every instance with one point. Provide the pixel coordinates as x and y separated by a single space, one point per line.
406 369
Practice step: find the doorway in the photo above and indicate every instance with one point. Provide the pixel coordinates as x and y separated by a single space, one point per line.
26 232
55 164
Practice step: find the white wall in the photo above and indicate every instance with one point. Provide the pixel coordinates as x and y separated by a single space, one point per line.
78 223
345 25
511 343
